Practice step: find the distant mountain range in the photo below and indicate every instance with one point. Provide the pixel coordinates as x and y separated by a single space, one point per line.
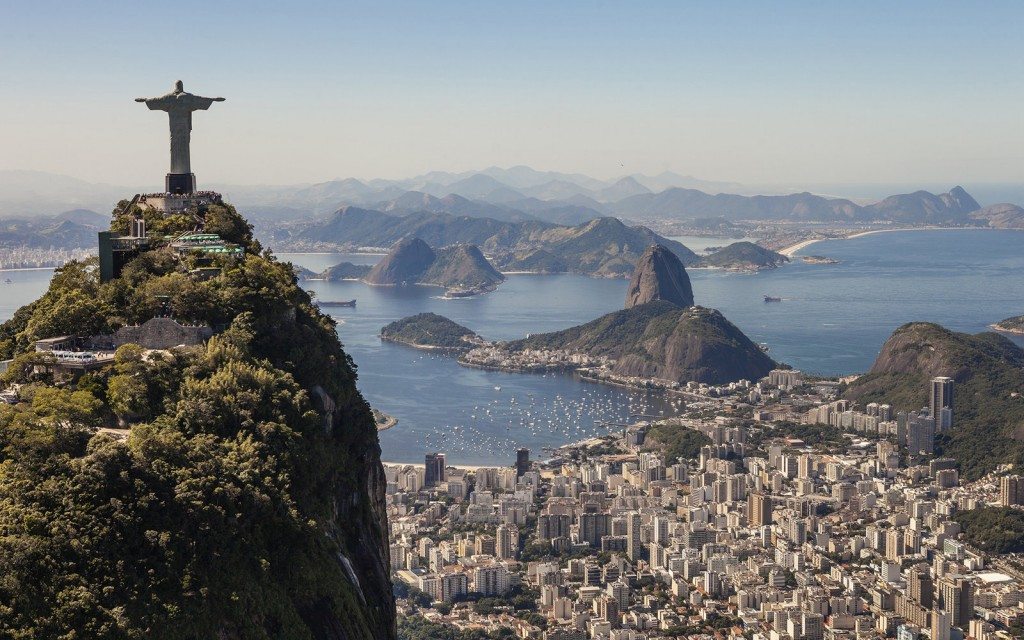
521 194
74 229
601 247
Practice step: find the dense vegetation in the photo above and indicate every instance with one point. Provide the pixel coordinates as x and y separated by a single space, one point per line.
462 266
345 271
419 628
744 255
1014 324
660 340
428 330
218 514
993 529
816 435
677 441
988 411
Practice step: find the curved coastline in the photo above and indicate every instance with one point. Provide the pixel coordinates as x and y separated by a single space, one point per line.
792 249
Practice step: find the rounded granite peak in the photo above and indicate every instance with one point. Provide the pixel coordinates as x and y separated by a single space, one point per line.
659 275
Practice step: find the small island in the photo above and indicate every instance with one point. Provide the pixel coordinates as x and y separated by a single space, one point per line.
344 271
819 260
432 332
743 256
383 420
457 268
1013 325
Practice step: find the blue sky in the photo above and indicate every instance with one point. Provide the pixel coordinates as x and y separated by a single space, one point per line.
783 92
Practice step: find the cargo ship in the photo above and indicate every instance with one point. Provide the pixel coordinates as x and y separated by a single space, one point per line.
337 303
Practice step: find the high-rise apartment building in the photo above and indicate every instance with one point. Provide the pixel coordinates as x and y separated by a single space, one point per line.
956 595
1011 491
522 462
436 471
759 509
941 403
634 544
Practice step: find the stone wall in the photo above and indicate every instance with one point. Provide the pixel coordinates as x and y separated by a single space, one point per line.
161 333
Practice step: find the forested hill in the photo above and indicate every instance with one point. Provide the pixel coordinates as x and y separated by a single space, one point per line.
237 491
988 409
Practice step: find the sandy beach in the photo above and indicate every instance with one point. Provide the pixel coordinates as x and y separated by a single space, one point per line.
467 467
793 248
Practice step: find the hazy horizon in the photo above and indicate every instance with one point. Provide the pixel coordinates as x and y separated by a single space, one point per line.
759 94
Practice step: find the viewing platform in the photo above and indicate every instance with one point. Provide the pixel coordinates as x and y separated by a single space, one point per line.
178 202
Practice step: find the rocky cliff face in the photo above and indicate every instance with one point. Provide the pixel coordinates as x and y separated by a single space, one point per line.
1000 216
924 207
659 275
405 263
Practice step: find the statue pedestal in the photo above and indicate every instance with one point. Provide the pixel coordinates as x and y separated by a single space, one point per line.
180 183
168 203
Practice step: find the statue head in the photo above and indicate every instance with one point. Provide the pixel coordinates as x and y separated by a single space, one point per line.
179 87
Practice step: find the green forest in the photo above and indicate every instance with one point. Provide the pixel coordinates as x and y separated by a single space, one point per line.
993 529
209 507
428 330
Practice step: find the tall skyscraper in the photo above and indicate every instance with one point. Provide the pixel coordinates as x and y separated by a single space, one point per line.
956 595
920 586
1011 491
634 546
920 434
506 541
759 509
522 462
593 527
942 398
942 624
436 470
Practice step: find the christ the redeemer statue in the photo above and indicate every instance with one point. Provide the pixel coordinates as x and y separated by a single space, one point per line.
179 106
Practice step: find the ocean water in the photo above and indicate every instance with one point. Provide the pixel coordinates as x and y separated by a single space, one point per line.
833 319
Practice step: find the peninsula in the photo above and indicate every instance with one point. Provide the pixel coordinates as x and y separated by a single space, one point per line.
659 339
1010 325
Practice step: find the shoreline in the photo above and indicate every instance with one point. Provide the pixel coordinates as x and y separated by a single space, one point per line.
424 347
448 465
790 250
793 248
30 269
1001 329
